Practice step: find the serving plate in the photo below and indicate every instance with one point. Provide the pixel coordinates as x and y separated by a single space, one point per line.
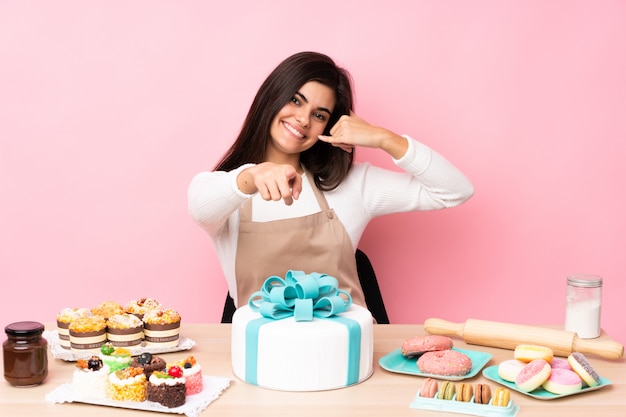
194 404
540 393
396 362
59 352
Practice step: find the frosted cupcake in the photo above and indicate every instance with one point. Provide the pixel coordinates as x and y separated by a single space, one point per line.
124 330
64 319
116 358
161 328
90 379
128 384
141 306
87 334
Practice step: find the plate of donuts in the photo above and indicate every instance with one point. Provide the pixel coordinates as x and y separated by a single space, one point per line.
540 393
396 362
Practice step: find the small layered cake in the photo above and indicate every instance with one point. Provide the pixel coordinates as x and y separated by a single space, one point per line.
167 388
64 319
107 309
128 384
90 379
141 306
124 330
149 362
116 358
161 328
193 375
87 334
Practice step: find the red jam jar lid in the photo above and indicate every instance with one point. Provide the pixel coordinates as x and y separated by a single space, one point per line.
24 328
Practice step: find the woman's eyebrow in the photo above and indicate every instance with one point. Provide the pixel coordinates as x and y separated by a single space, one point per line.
303 98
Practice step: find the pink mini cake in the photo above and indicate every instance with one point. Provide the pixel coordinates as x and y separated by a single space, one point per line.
563 381
533 375
64 319
193 375
124 330
161 328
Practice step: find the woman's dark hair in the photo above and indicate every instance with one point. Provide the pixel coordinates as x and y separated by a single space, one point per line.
328 164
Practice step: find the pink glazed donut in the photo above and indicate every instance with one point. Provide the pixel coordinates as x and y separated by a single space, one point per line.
563 381
445 362
533 375
560 363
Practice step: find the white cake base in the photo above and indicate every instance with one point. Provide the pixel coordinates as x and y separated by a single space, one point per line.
306 355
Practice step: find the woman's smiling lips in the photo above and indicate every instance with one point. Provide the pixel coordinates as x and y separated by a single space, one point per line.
293 130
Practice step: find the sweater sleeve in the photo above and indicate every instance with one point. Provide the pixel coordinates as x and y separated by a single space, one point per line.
213 196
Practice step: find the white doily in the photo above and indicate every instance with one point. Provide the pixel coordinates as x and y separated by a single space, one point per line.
59 352
194 404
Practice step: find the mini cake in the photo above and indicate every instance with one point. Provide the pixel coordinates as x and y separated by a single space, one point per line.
149 362
124 330
90 379
127 385
115 357
107 309
87 334
141 306
161 328
193 375
64 319
167 388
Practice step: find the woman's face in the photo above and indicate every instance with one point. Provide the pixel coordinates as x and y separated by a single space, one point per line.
296 126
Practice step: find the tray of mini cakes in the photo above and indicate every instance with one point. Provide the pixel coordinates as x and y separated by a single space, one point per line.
146 382
535 371
141 325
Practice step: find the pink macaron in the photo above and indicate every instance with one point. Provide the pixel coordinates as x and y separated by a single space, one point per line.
533 375
563 381
430 388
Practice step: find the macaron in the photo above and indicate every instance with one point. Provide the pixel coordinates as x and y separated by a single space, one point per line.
482 394
446 391
415 346
533 375
429 388
501 397
563 381
510 369
464 391
583 368
528 353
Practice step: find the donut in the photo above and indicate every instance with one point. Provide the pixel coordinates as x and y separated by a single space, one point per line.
501 397
429 389
583 368
563 381
417 345
445 362
509 369
533 375
560 363
464 391
446 391
482 394
528 353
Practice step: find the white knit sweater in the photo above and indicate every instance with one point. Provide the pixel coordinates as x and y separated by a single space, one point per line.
429 182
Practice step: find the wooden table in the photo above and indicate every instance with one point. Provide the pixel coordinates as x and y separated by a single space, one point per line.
384 394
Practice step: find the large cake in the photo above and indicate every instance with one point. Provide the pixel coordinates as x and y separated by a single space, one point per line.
299 345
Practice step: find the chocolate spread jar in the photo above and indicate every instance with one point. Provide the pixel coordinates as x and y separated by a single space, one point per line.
25 354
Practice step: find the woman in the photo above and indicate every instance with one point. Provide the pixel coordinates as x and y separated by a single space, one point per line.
287 194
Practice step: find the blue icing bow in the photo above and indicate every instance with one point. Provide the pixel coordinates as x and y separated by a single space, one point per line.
300 295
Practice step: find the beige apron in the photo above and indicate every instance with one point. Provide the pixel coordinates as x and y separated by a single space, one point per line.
314 243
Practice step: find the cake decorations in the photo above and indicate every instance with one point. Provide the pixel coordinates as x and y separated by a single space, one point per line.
127 384
167 387
141 306
116 358
149 362
90 379
193 374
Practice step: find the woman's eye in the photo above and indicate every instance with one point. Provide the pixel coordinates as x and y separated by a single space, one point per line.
319 116
295 100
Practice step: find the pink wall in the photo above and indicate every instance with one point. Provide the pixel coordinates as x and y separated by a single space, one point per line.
107 109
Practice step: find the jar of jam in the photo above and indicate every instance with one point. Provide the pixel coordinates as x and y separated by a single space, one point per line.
25 354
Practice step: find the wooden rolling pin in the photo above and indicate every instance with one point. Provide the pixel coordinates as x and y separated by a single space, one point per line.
508 336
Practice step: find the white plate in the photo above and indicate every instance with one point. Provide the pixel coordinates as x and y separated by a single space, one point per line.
59 352
194 404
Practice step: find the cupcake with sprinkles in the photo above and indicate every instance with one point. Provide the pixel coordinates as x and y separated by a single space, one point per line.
161 328
192 372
